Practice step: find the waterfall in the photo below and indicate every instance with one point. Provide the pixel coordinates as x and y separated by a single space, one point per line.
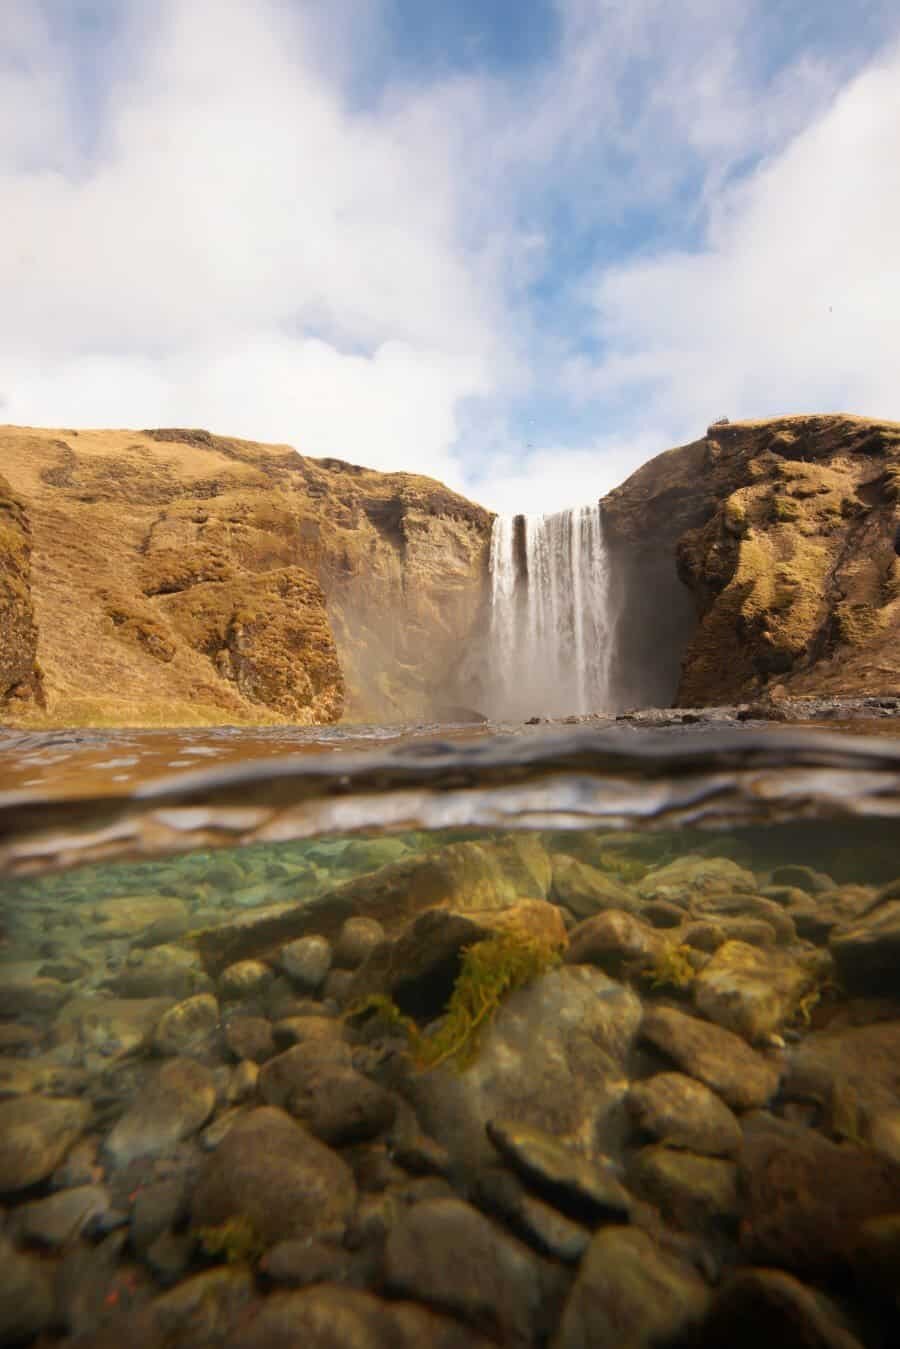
550 630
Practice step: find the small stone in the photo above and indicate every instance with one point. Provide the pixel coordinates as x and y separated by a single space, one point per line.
445 1253
306 962
684 1114
243 1082
616 942
717 1057
297 1264
187 1027
806 1199
585 890
691 1192
576 1186
271 1171
133 915
337 987
358 939
61 1217
212 1303
244 979
26 1296
32 997
765 1306
170 1255
867 952
752 992
175 1104
629 1294
328 1316
166 971
500 1194
316 1084
157 1209
803 878
35 1134
301 1030
250 1037
112 1026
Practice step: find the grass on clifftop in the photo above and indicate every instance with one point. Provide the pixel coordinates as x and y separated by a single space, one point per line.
490 970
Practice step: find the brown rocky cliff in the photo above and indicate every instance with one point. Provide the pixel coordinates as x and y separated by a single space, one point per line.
782 532
180 577
20 683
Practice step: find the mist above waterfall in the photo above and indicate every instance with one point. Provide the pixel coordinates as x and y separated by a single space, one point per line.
550 625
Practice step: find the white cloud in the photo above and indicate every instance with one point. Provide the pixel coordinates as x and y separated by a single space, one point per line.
794 304
245 253
245 249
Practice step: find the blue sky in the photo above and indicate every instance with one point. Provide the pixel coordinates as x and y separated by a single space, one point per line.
520 246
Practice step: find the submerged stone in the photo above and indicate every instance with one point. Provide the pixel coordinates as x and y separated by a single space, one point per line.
270 1171
630 1294
583 1188
768 1307
752 992
717 1057
445 1253
684 1113
175 1104
36 1132
553 1057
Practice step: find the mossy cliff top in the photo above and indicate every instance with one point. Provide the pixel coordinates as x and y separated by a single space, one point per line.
182 578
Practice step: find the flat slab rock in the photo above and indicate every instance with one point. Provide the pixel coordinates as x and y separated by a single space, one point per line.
715 1056
684 1113
584 1188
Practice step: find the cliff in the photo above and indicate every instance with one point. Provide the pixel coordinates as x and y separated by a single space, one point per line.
20 682
761 556
182 578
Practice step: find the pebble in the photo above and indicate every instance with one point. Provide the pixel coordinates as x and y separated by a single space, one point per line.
36 1132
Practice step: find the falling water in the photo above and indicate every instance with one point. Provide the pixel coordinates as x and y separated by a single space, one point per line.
550 623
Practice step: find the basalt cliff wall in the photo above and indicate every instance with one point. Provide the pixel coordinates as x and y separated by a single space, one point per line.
760 558
176 577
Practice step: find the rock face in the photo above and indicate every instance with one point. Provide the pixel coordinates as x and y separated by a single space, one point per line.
783 531
185 578
20 682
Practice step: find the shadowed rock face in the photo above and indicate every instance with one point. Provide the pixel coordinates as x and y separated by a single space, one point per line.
19 677
182 578
761 555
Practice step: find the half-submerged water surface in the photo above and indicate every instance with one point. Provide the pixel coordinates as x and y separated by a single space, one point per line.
567 1039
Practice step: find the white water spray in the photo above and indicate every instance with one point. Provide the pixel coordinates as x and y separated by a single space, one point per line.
550 626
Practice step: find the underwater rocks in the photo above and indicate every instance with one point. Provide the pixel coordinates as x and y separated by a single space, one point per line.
631 1294
684 1114
174 1104
36 1132
682 1110
752 992
715 1056
446 1254
271 1172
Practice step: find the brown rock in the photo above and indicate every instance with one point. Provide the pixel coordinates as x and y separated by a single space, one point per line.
445 1253
684 1114
806 1199
35 1134
717 1057
752 992
271 1171
628 1293
765 1306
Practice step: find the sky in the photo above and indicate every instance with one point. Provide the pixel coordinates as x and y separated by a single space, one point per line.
519 245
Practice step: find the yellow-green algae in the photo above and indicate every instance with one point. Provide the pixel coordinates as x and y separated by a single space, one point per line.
490 970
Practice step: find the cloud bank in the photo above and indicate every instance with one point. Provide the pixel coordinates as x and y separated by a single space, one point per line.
523 281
